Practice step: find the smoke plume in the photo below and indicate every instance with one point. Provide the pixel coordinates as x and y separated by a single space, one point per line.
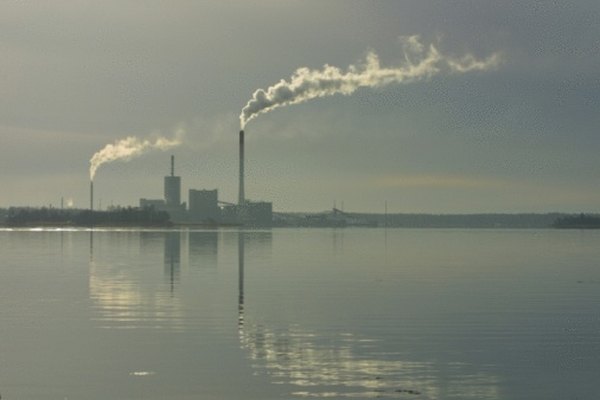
128 148
420 62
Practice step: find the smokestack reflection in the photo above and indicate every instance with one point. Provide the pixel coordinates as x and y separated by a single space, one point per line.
91 245
241 282
340 364
258 241
172 257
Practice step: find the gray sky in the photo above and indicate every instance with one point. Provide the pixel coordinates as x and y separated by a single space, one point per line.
76 76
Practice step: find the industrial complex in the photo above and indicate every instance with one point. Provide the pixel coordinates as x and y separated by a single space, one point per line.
204 207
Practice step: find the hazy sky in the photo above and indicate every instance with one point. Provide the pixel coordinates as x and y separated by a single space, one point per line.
524 136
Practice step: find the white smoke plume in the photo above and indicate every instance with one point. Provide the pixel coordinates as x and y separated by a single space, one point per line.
128 148
420 62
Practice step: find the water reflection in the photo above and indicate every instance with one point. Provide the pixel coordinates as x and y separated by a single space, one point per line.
346 365
121 283
203 248
309 319
91 245
172 257
241 256
143 290
258 240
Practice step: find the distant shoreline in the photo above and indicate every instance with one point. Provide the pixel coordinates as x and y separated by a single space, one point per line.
581 221
144 218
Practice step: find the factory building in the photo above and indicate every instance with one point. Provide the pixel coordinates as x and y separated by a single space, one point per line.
204 206
173 187
172 200
229 214
157 204
257 213
172 191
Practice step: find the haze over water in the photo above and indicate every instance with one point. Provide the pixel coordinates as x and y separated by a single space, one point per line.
283 313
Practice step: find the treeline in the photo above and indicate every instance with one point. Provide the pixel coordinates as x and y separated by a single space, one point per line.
486 221
450 221
481 221
580 221
128 216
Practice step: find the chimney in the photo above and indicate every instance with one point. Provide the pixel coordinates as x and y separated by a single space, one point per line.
241 196
91 195
172 165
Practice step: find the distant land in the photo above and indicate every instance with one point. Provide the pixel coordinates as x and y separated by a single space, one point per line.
35 217
581 221
423 220
148 217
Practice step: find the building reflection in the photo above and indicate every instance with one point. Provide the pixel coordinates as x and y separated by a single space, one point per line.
118 282
346 365
91 245
241 256
172 257
259 242
151 240
118 287
203 249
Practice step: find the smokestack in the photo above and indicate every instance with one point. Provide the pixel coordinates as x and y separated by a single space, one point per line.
241 196
172 165
91 195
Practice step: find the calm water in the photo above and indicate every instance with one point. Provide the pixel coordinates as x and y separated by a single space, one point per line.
280 314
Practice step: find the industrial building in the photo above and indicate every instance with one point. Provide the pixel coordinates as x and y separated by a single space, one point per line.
173 187
258 213
172 197
204 205
157 204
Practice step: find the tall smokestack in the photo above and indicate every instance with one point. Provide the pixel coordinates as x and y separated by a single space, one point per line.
91 195
172 165
241 196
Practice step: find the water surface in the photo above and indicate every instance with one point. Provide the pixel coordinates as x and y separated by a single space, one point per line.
299 313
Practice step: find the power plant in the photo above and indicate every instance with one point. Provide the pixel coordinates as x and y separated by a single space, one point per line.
204 206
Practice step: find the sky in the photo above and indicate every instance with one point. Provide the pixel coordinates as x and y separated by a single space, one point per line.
522 136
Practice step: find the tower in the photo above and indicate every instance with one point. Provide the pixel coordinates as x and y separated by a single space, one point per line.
172 187
241 195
